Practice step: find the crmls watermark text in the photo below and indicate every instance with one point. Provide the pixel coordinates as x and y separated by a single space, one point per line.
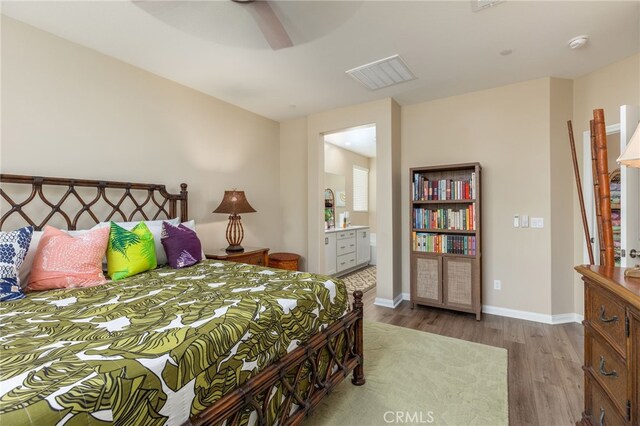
412 417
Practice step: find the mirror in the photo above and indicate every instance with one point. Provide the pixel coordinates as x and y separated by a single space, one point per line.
337 185
329 209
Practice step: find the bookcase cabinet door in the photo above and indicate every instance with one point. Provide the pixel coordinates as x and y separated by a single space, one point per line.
426 275
458 282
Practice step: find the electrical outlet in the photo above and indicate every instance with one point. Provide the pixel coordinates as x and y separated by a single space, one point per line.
516 221
524 221
497 285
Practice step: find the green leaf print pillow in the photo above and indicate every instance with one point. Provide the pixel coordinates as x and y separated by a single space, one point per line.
130 252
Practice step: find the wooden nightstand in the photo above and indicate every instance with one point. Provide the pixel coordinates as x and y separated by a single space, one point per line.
251 255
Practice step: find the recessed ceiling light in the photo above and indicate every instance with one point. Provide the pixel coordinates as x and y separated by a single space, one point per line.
347 143
506 52
578 42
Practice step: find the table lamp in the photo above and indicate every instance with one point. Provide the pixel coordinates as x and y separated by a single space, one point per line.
631 158
233 203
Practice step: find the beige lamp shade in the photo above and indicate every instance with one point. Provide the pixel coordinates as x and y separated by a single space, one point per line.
631 155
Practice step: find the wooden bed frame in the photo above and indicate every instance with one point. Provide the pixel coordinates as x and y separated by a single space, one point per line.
340 344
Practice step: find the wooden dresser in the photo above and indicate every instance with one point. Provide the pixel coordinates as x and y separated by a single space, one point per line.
611 347
251 255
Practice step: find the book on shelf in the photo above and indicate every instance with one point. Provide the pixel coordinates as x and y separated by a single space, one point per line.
425 189
460 219
440 243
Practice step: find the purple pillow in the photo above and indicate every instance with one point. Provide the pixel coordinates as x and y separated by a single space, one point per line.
182 245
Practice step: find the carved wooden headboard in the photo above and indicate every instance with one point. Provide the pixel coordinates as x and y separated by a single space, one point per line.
80 203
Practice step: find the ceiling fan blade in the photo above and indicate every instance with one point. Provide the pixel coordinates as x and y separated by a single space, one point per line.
270 25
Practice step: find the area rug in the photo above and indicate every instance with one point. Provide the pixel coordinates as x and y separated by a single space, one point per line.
414 377
363 280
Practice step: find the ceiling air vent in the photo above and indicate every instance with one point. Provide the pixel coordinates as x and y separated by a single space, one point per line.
383 73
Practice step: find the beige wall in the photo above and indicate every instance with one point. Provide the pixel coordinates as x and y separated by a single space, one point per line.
506 129
608 88
396 196
560 190
340 161
293 187
70 111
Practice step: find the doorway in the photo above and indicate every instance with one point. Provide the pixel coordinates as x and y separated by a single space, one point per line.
350 220
385 113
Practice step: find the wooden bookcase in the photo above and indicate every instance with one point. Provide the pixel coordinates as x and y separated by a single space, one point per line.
614 189
445 237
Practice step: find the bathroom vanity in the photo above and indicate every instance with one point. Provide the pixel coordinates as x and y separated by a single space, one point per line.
346 249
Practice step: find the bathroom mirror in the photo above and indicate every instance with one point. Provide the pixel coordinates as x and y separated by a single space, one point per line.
337 184
329 209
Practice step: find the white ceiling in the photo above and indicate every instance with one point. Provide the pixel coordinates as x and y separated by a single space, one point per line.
361 140
216 47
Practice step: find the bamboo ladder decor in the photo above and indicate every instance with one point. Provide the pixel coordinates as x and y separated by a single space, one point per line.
603 194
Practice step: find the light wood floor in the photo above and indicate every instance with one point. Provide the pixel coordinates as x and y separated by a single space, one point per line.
545 374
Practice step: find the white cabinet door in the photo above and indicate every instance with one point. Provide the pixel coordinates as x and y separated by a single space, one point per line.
363 246
330 254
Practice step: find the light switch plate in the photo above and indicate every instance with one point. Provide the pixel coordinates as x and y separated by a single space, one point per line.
537 222
524 221
516 221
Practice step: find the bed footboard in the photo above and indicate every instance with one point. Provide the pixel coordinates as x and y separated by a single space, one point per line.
287 391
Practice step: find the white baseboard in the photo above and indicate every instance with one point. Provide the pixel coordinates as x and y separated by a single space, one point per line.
532 316
510 313
566 318
388 303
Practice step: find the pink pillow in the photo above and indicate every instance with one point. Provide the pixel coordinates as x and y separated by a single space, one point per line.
64 261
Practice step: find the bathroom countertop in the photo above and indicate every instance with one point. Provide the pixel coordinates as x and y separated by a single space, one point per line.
348 228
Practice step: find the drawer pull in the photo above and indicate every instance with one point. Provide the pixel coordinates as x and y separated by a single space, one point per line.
612 373
342 247
601 416
604 319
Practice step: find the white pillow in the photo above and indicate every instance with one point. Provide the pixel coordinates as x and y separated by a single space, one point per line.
192 225
155 226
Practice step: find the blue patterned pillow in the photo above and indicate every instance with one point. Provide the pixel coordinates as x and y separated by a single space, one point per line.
13 249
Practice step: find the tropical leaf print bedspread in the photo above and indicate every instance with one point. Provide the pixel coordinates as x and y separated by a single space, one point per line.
156 348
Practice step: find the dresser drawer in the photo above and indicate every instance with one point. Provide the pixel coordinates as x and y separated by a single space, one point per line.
346 261
602 411
252 259
606 315
345 234
609 369
347 245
